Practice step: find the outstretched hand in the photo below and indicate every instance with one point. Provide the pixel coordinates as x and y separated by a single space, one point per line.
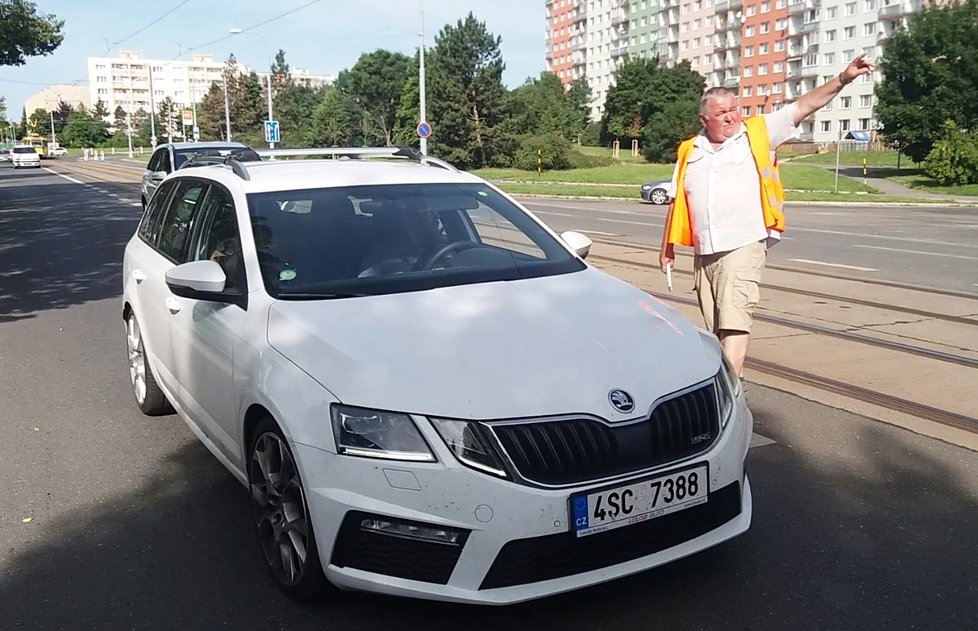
857 67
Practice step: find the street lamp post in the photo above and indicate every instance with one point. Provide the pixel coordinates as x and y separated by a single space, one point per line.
238 31
421 86
227 110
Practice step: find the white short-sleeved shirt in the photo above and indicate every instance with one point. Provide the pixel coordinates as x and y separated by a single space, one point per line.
723 187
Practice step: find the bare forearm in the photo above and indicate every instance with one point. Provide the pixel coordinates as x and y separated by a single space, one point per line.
818 98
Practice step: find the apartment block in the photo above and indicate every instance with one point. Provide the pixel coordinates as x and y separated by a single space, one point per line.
50 97
132 83
770 51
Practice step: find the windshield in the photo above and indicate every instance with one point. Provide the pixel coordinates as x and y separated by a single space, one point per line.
25 150
182 155
367 240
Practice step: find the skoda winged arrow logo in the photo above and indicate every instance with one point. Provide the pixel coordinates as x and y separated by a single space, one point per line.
621 400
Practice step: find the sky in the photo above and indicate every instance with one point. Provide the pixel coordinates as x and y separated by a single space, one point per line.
321 36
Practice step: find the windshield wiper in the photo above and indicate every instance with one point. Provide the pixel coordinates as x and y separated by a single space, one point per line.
321 296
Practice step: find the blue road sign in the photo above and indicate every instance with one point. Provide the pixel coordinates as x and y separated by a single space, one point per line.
424 129
271 131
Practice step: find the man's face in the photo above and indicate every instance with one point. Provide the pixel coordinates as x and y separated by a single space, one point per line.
722 118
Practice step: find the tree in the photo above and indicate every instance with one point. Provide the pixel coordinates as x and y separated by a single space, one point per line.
642 91
40 122
25 33
167 119
662 134
332 120
83 129
375 85
465 92
3 109
23 122
100 111
930 75
954 159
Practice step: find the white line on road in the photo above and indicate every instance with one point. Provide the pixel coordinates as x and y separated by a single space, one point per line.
885 237
855 267
70 179
603 234
950 256
605 219
756 440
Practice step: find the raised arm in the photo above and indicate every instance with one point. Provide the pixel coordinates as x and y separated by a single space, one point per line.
818 98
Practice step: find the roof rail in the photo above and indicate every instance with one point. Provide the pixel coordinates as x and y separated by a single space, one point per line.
409 153
233 159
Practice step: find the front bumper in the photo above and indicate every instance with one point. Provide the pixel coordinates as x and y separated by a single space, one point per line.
516 543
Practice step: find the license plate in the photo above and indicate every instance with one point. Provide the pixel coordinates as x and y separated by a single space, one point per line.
633 503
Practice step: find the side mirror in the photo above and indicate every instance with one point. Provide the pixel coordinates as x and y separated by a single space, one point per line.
199 280
577 242
158 176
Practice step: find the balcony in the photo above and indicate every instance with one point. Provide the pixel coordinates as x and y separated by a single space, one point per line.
619 51
796 8
732 81
895 10
618 18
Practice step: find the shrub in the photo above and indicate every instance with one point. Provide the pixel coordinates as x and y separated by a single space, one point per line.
954 159
580 160
554 151
592 135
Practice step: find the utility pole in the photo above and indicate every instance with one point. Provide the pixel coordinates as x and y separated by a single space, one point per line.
421 86
271 145
152 109
54 139
227 111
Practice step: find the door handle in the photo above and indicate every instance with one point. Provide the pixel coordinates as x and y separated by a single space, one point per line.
138 275
173 305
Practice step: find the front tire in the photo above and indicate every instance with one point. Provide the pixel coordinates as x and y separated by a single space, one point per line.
285 531
149 396
658 196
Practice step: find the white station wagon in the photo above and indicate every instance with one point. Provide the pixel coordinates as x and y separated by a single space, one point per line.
427 392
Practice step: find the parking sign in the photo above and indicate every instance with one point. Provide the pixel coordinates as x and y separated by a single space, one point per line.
271 131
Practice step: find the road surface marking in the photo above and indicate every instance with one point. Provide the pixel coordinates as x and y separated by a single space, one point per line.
70 179
605 219
950 256
756 440
885 237
603 234
855 267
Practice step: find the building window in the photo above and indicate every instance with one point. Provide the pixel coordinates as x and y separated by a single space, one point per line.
864 123
747 110
828 59
765 27
779 66
780 4
748 90
749 31
850 8
751 11
102 91
811 60
779 46
866 78
811 15
778 87
749 71
870 5
869 28
831 13
100 66
762 69
781 24
845 102
760 109
847 55
765 7
844 124
826 125
849 32
827 78
764 49
830 36
865 100
749 51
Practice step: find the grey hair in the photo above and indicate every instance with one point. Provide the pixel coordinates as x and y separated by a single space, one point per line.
714 93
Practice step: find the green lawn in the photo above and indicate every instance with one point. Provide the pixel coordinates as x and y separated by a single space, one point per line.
795 176
855 158
916 179
625 155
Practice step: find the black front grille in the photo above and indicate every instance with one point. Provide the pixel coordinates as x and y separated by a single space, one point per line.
555 556
578 450
392 555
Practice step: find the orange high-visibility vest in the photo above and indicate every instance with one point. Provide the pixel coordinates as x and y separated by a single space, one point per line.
771 191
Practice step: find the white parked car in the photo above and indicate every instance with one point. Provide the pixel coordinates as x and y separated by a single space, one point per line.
25 156
427 391
57 152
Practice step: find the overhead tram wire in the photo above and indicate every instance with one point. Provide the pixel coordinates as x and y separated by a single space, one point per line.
109 48
254 26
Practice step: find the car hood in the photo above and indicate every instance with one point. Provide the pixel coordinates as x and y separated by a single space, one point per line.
543 346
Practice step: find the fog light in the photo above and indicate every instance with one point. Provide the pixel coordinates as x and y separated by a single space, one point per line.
412 531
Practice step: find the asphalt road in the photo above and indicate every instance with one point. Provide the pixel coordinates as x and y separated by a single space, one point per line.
918 245
112 520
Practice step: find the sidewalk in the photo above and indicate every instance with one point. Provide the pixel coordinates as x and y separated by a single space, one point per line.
895 189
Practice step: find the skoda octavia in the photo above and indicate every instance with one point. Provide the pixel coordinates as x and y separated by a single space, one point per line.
425 390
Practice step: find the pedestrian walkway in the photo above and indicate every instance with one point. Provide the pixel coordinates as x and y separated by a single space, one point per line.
892 188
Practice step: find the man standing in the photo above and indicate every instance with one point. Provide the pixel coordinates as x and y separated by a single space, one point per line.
728 203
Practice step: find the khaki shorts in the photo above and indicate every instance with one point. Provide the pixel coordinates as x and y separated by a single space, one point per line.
728 286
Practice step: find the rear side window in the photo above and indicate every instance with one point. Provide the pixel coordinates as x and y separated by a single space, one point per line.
149 227
179 213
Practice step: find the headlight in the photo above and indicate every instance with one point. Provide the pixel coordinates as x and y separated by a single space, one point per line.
646 187
376 434
728 389
470 445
